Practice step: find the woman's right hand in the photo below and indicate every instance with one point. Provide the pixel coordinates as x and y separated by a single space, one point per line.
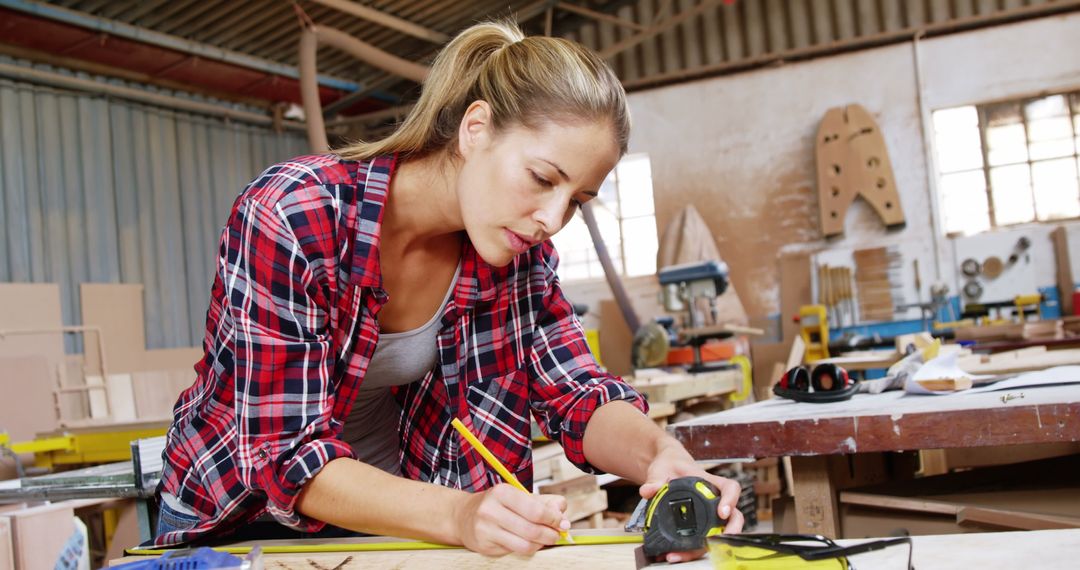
504 520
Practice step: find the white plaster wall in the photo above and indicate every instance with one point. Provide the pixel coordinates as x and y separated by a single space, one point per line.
741 147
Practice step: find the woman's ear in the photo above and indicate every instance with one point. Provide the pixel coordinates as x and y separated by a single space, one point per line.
475 129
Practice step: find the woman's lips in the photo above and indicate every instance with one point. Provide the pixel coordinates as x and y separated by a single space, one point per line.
518 244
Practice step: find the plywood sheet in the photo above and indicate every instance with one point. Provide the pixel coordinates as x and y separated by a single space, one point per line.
117 308
7 549
34 410
156 392
25 306
39 534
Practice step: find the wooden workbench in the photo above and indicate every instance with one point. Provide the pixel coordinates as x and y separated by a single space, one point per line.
891 421
986 551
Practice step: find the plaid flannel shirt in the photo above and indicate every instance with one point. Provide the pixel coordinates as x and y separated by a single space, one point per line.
292 326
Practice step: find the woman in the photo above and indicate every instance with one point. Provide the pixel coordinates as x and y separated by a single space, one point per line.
363 300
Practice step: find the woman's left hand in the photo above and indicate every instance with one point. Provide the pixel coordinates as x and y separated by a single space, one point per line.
672 462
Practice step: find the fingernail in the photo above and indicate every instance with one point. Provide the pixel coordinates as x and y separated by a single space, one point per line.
673 558
565 524
725 511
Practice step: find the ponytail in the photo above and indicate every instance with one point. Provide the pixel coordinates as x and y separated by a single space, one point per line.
524 80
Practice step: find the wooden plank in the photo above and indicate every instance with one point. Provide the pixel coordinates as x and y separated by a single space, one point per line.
677 387
1063 269
583 484
1055 548
815 497
884 422
582 505
944 384
1023 360
898 503
1010 519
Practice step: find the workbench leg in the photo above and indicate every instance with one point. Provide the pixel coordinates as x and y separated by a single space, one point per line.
815 497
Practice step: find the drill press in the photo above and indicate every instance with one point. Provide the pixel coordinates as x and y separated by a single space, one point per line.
690 289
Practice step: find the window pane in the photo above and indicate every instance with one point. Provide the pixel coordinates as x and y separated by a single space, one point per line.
946 120
1052 149
1011 186
1052 106
963 197
959 150
1056 189
1007 143
608 193
635 186
641 245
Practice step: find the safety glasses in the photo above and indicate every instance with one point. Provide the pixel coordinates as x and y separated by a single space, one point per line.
794 551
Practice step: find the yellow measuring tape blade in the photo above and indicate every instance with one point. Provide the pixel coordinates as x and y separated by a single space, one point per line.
383 546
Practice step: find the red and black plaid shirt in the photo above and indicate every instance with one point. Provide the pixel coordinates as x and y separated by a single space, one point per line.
292 326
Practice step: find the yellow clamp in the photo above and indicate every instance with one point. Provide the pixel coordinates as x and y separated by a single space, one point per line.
748 379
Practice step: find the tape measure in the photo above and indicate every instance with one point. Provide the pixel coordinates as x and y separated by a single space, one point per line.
681 515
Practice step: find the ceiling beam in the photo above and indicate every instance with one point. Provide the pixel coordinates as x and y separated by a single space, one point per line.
600 16
384 19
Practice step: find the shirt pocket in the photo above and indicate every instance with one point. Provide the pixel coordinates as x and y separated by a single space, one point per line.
504 399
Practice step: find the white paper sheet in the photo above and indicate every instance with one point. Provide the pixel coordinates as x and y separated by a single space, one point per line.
1048 377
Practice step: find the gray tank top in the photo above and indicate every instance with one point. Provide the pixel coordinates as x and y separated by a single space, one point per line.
400 358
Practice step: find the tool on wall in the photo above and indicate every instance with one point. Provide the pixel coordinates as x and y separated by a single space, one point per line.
679 517
852 161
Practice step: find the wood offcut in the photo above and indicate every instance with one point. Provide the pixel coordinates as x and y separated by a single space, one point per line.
852 161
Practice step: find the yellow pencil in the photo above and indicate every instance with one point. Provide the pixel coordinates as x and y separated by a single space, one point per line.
495 463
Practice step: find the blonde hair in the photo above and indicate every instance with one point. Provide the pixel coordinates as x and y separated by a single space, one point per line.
525 80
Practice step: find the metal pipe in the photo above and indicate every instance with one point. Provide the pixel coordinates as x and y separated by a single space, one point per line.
371 55
309 93
89 85
613 279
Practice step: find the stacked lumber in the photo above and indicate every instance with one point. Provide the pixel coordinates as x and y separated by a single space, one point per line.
660 387
1034 330
585 500
116 380
767 485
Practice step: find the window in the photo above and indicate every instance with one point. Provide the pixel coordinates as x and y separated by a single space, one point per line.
1009 163
627 220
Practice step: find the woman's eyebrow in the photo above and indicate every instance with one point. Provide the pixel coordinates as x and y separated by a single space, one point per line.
565 176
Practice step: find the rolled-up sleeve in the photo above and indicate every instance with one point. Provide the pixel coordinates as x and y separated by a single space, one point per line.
567 384
279 300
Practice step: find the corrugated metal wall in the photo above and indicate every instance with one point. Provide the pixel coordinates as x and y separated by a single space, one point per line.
94 189
727 35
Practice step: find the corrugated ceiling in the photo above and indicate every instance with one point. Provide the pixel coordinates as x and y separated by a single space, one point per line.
720 37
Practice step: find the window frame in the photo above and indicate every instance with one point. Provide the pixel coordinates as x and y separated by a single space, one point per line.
1072 102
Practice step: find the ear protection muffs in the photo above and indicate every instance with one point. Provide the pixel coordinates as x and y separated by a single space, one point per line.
825 383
